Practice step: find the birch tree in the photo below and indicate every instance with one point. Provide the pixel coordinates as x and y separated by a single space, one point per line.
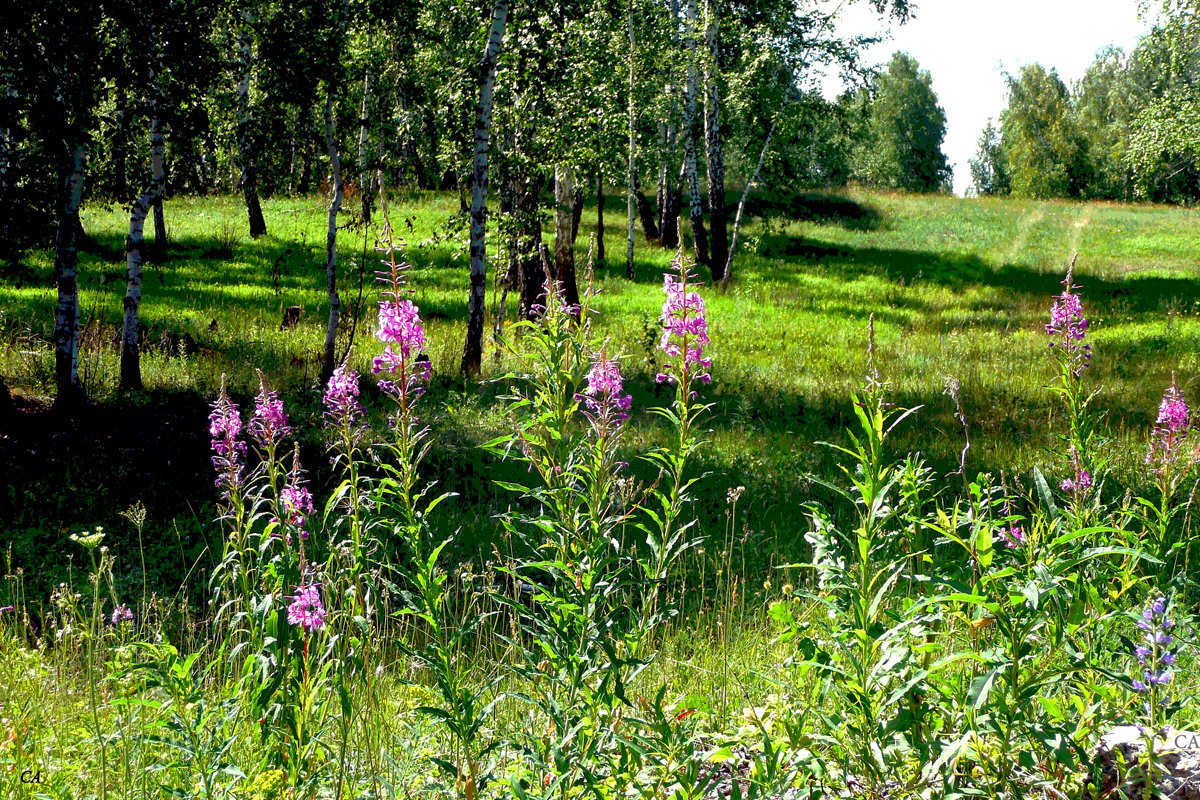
245 138
713 146
690 173
131 370
69 391
473 348
329 362
564 251
631 172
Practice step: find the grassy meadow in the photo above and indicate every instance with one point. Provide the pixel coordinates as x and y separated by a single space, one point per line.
960 290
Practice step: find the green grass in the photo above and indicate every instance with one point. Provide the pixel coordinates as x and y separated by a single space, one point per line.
959 288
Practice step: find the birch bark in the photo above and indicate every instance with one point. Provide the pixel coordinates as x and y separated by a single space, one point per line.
473 347
66 261
131 367
249 177
713 147
691 173
564 253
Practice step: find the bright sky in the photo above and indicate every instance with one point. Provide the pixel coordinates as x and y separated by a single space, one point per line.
966 43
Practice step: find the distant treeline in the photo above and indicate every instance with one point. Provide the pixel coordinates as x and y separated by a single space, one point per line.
1129 129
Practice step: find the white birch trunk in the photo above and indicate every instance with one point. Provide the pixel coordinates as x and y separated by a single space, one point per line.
564 253
66 262
473 348
737 220
631 175
131 370
692 175
158 149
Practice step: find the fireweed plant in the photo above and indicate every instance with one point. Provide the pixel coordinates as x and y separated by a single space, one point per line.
1072 354
1171 458
989 676
949 637
592 552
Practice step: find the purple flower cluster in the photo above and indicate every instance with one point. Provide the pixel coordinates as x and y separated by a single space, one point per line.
306 609
1170 429
1013 535
296 503
225 426
341 397
121 613
401 331
685 328
604 394
270 423
1068 327
1082 482
1153 655
552 296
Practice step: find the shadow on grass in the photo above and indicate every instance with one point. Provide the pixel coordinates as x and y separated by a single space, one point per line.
823 208
906 267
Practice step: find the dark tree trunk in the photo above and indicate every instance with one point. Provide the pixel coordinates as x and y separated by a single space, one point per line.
473 347
304 184
631 161
576 211
531 272
600 218
70 393
329 362
120 186
158 146
249 177
365 182
645 212
714 153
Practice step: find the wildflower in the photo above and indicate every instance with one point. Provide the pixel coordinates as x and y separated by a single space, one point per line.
400 323
269 424
1170 429
295 501
603 394
341 397
1082 481
403 335
1068 327
122 613
225 426
1153 655
306 609
685 327
1013 535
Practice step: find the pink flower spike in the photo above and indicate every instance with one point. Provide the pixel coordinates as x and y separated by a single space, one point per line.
306 609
